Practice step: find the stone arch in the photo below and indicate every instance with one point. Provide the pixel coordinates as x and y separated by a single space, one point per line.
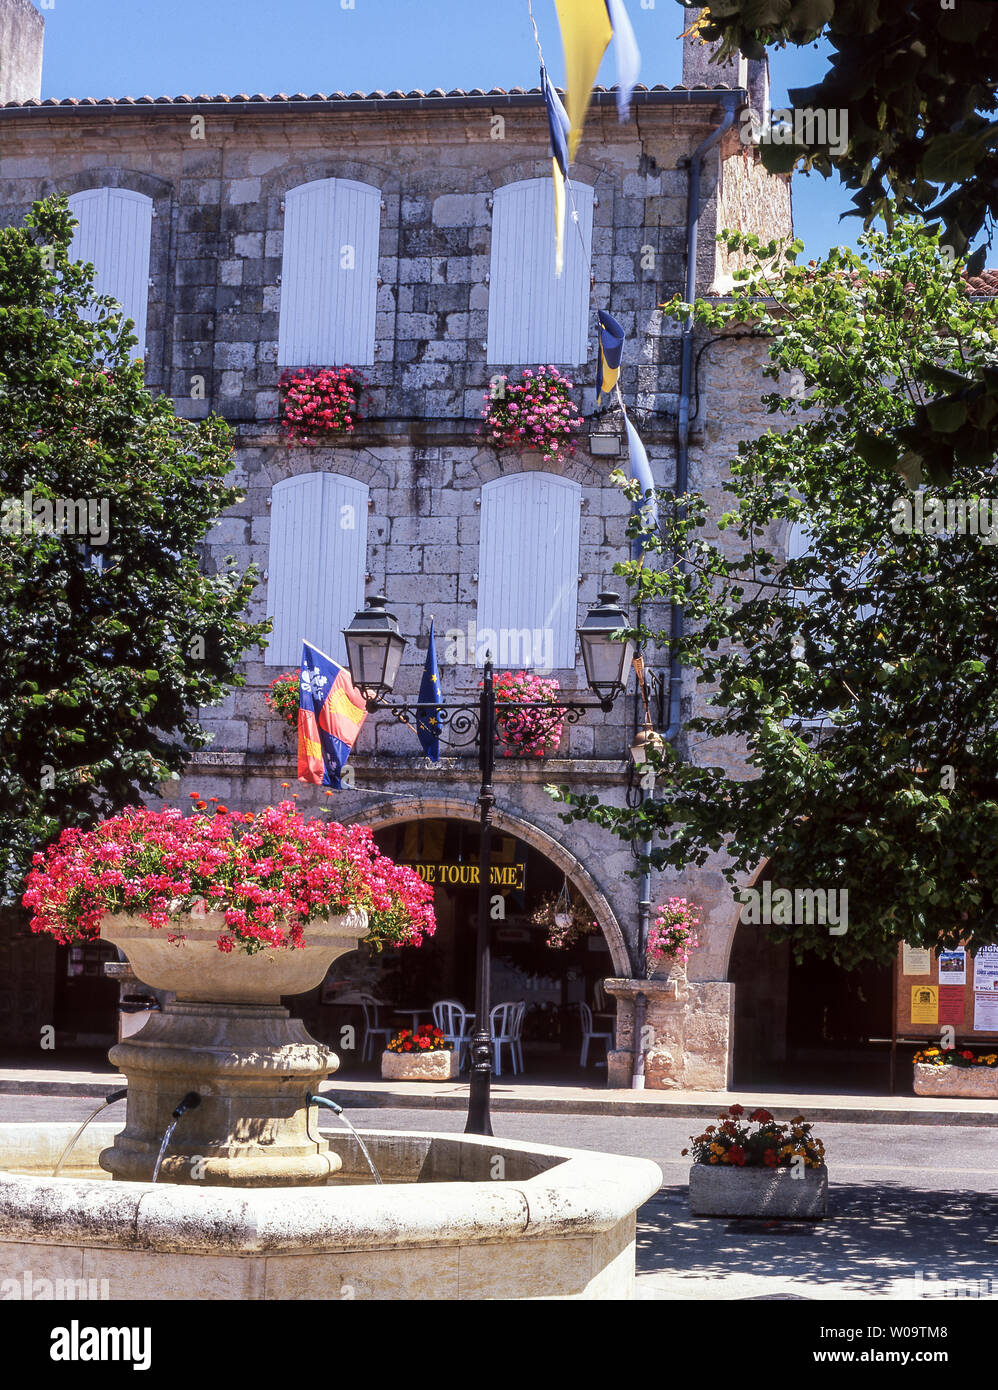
405 808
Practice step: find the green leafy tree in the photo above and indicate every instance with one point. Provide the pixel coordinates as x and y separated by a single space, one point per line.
859 677
112 634
917 84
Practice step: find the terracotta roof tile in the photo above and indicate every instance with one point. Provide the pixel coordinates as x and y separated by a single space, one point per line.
281 98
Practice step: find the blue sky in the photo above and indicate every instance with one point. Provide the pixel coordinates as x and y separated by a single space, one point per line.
149 47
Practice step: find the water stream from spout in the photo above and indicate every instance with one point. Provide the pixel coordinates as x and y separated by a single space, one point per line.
108 1100
190 1102
364 1150
167 1136
337 1110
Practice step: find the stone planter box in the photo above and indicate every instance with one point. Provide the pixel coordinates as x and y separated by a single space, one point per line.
717 1190
980 1083
420 1066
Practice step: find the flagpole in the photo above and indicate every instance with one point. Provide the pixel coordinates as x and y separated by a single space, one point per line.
479 1118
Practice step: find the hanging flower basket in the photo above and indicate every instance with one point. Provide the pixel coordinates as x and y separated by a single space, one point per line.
566 919
282 698
533 733
536 413
319 403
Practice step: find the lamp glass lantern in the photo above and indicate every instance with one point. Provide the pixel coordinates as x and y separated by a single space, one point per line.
606 658
374 649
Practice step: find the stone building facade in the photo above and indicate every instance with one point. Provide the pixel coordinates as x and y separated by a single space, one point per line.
217 175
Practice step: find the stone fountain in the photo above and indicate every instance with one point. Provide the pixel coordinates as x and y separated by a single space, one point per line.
256 1204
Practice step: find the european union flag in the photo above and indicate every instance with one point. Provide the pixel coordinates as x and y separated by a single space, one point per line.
428 720
331 711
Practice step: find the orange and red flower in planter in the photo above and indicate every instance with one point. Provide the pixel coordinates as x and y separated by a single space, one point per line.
425 1039
771 1145
955 1057
320 402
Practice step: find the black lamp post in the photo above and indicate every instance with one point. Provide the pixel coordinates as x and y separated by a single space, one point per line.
374 653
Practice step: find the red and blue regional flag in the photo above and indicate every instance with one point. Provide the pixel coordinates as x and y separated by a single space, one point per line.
330 712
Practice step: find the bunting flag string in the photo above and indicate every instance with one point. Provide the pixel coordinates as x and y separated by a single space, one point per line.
586 29
585 35
558 125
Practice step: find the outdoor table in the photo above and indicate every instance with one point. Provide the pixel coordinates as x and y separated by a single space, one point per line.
415 1014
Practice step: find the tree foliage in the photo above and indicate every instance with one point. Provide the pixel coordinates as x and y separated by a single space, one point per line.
111 641
917 80
858 677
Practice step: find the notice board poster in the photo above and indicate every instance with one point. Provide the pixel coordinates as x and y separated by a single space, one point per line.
956 988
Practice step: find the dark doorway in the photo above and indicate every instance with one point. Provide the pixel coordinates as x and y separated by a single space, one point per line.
808 1025
551 981
86 1002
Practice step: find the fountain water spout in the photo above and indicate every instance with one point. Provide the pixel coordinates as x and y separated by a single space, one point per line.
190 1102
338 1111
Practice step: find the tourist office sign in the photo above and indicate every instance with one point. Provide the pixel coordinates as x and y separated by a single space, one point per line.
509 876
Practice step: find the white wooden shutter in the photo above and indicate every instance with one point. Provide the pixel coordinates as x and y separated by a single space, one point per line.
528 569
115 234
534 316
329 277
318 556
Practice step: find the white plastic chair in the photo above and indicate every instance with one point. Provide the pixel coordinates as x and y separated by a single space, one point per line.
506 1026
372 1028
589 1034
455 1022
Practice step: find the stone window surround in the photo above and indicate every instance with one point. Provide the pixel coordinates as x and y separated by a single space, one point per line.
378 474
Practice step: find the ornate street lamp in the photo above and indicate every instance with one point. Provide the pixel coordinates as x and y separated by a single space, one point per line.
374 653
606 658
374 649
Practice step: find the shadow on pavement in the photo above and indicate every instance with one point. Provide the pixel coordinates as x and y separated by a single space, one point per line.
875 1237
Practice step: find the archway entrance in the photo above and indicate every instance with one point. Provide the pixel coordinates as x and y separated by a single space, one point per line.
810 1024
551 981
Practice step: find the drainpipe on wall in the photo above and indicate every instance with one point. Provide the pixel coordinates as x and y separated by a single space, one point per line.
731 101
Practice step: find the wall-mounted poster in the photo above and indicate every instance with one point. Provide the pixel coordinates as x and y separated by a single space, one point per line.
924 1004
951 1004
953 967
986 1011
915 960
986 969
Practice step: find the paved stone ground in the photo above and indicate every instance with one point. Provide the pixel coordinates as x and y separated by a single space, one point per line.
912 1206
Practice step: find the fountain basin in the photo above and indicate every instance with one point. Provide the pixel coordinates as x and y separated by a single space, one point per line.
458 1217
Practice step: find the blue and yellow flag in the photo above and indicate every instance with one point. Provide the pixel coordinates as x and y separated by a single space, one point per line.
585 33
611 346
625 49
331 711
428 720
558 126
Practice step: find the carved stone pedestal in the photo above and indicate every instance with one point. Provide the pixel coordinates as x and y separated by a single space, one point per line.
228 1041
251 1065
